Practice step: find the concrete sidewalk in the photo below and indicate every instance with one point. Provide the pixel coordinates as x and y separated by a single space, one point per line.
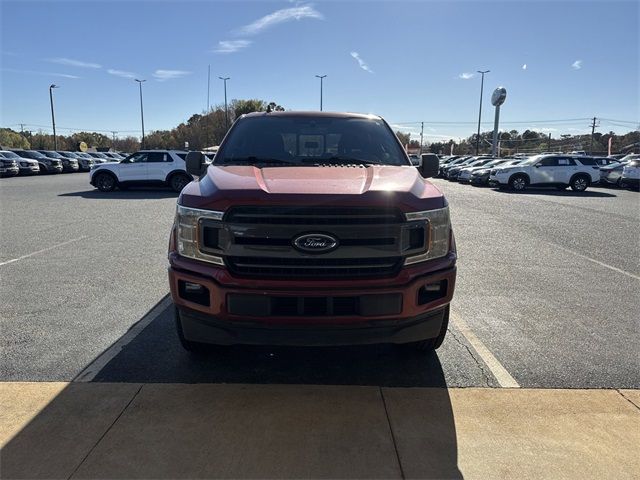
99 430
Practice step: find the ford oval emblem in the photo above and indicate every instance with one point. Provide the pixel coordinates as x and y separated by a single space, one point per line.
315 243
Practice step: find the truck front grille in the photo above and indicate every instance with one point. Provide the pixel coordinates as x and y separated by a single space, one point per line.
277 215
292 267
260 241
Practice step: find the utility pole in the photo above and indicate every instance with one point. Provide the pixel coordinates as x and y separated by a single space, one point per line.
208 105
141 111
593 130
53 117
549 141
480 113
321 77
21 127
421 134
113 136
226 110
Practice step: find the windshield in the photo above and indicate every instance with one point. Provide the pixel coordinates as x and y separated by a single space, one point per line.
32 154
310 140
9 155
51 154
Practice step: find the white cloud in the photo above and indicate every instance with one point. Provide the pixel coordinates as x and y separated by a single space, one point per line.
231 46
363 65
32 72
280 16
162 75
121 73
524 67
577 65
466 75
74 63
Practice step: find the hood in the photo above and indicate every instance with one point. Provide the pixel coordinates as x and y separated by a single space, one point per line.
402 187
612 166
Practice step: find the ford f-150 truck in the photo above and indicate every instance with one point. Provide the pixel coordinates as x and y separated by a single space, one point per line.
311 228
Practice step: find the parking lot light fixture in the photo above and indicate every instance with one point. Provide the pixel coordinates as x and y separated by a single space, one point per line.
226 110
480 113
141 110
53 117
321 77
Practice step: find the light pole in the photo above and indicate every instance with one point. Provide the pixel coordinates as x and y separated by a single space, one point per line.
141 110
480 113
321 77
53 117
226 111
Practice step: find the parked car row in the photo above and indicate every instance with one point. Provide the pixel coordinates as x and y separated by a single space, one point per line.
556 170
32 162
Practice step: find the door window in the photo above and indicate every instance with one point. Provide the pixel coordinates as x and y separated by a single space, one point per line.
158 157
139 157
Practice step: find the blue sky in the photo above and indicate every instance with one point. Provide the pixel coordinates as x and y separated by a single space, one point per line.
407 61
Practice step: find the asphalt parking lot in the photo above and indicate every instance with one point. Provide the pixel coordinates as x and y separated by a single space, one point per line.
547 295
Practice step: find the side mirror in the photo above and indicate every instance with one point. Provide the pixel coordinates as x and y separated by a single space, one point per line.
429 165
195 163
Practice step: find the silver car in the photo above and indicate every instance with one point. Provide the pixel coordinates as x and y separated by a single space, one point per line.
26 166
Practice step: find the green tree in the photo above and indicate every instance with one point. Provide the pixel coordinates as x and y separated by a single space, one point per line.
11 139
403 137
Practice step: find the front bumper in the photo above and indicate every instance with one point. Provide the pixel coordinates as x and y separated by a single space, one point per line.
9 171
30 170
51 168
211 318
479 179
630 182
202 328
70 168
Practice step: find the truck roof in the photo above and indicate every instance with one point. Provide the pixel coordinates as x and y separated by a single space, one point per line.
311 113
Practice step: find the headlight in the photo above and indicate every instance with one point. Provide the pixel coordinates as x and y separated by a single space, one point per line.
481 172
439 226
186 225
46 162
503 170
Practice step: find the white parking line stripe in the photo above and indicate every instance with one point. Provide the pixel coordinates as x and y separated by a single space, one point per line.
91 370
503 377
41 251
624 272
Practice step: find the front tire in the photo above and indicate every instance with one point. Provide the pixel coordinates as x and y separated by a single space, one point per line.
579 183
431 344
518 183
191 347
178 181
105 182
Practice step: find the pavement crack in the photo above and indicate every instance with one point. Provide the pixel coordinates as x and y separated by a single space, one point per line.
105 433
478 362
627 399
393 436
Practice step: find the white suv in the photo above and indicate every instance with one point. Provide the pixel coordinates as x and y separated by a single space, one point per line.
560 171
150 167
631 174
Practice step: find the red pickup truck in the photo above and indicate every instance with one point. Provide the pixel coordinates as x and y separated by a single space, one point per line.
311 228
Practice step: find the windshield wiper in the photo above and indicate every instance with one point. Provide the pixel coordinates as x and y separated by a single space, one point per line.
255 161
